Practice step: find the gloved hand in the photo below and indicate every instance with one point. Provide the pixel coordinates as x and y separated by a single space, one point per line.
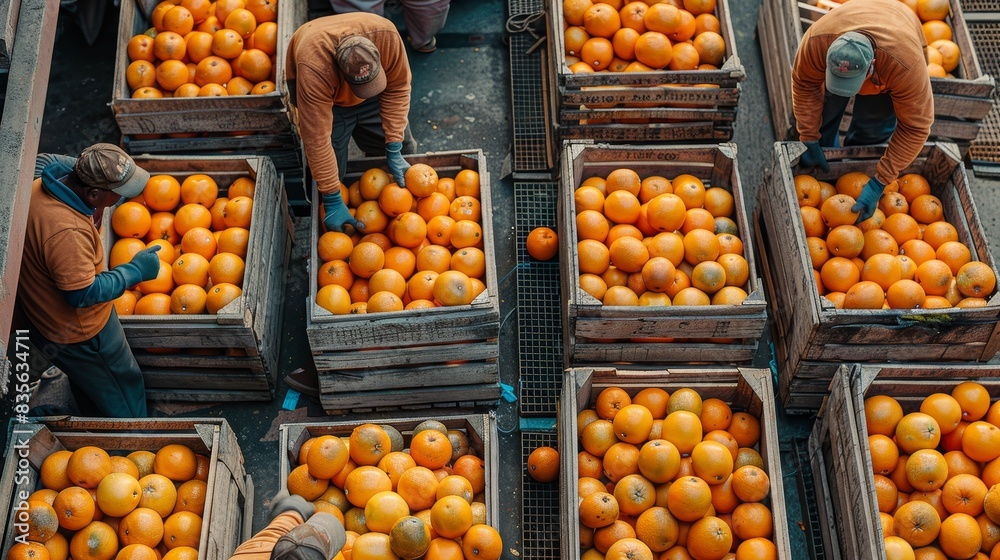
813 157
283 502
868 200
397 165
337 215
147 262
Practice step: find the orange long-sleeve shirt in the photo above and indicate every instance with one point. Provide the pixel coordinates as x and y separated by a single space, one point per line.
259 546
320 85
900 70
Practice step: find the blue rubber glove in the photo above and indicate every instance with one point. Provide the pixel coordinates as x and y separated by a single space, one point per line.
397 165
111 284
868 200
337 215
813 157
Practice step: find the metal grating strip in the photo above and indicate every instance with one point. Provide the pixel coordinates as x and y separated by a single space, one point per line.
979 6
530 122
515 7
539 505
807 497
539 318
986 39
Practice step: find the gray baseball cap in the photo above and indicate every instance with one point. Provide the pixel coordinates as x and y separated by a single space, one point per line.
847 63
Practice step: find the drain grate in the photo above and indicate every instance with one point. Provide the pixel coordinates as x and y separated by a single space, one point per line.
530 119
539 504
807 497
515 7
986 39
979 6
539 314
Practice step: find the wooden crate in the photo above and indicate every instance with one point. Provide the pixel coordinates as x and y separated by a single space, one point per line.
228 517
481 429
257 113
237 356
812 337
960 104
586 319
404 359
282 147
842 462
746 389
606 105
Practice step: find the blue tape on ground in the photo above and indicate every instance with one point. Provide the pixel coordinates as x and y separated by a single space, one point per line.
291 399
507 392
538 424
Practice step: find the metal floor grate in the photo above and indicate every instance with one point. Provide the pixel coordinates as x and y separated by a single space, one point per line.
980 6
986 39
539 317
530 120
807 497
539 505
515 7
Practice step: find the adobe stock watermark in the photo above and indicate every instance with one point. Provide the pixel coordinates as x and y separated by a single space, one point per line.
20 436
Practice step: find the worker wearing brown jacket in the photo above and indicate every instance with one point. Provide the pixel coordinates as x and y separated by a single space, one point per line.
872 50
348 77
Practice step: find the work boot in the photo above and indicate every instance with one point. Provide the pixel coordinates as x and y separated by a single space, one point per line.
319 538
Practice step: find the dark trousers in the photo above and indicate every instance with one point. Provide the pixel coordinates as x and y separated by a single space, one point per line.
873 120
362 122
102 372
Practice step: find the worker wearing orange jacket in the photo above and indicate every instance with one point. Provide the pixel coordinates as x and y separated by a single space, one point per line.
296 532
872 50
348 76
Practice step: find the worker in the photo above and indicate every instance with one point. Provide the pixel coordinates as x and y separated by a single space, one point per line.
348 77
424 18
296 532
64 288
873 51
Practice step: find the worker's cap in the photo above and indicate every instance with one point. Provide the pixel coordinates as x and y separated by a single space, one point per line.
359 60
319 538
847 63
108 167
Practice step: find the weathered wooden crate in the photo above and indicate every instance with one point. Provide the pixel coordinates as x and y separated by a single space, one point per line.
659 106
417 358
237 348
481 429
746 389
960 104
9 10
842 463
282 147
811 337
228 517
587 321
257 113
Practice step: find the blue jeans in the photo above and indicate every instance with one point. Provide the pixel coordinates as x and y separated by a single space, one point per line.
873 122
363 122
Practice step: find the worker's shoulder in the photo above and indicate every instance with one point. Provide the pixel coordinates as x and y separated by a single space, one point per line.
353 23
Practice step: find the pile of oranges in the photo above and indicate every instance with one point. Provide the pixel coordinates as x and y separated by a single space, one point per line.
205 48
203 241
144 506
943 55
421 246
655 242
937 474
424 501
669 475
906 256
640 36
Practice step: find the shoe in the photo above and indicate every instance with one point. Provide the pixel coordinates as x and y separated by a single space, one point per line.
430 47
305 382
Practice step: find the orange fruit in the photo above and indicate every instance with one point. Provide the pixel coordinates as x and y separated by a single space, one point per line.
960 536
917 523
981 441
96 541
87 466
709 537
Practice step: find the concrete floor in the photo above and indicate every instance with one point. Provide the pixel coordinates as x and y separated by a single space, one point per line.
461 100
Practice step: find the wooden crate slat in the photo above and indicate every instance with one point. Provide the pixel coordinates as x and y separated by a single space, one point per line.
809 331
652 132
385 352
585 317
744 388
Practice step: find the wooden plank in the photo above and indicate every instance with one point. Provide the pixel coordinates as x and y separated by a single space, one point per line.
717 115
334 380
8 29
652 132
748 390
408 396
407 357
20 128
587 318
